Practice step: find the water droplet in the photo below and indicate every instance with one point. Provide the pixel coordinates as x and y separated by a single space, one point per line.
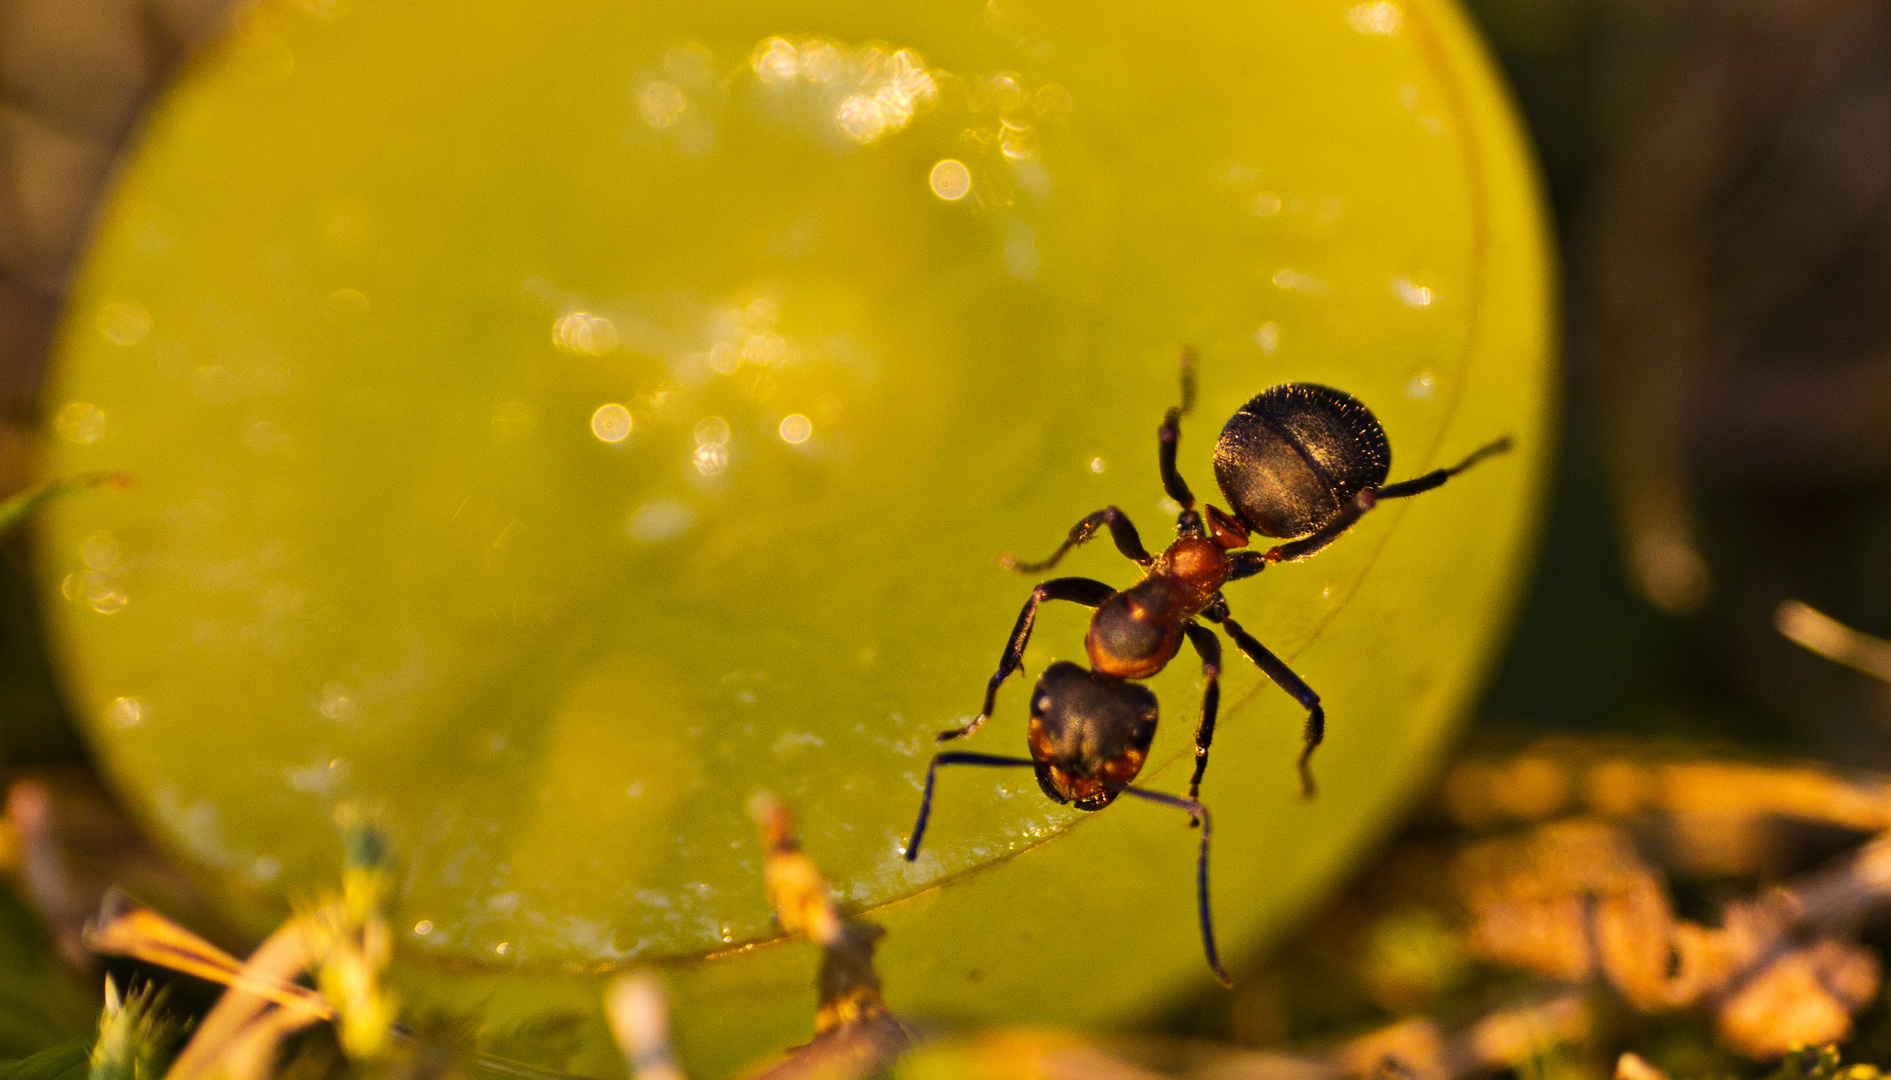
1053 102
712 431
1268 337
123 322
99 552
1292 280
950 179
1017 141
775 60
423 927
80 422
661 519
711 458
661 104
125 712
795 429
335 703
345 305
584 333
765 348
611 423
1411 294
1380 18
513 419
266 437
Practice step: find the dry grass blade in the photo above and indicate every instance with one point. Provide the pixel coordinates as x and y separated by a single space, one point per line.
1632 1067
639 1013
239 1038
142 934
1833 640
344 942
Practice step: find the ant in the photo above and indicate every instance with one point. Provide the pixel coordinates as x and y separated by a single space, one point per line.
1300 463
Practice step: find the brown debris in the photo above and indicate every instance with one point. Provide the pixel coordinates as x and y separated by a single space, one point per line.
1574 899
1806 997
1702 797
1421 1048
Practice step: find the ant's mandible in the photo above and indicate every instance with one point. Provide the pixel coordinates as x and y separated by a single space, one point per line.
1299 463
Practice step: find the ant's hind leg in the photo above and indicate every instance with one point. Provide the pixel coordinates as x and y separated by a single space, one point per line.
1209 646
1200 813
1121 530
1170 433
1367 499
1434 478
1086 591
1296 687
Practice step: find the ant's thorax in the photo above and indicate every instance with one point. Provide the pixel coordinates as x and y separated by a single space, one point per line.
1137 631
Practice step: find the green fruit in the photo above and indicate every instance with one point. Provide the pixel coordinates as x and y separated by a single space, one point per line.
388 282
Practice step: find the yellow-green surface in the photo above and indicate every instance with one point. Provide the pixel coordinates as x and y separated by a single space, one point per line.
354 311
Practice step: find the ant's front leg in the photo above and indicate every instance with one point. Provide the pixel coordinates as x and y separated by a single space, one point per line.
932 773
1283 677
1170 434
1086 591
1209 646
1121 530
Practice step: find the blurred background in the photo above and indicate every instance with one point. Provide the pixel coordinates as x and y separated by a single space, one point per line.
1720 176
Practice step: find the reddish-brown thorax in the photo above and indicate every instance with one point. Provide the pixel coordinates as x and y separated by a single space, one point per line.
1136 632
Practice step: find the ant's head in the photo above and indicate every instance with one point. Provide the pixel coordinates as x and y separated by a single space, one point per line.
1088 732
1292 458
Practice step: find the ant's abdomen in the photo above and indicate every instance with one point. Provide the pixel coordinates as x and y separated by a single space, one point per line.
1136 631
1295 453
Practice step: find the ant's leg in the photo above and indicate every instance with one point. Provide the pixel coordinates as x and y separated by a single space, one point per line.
1209 646
932 771
1434 478
1171 432
1367 499
1245 564
1121 531
1311 545
1078 590
1200 813
1283 677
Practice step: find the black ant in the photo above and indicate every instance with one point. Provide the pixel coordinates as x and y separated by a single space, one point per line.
1300 463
